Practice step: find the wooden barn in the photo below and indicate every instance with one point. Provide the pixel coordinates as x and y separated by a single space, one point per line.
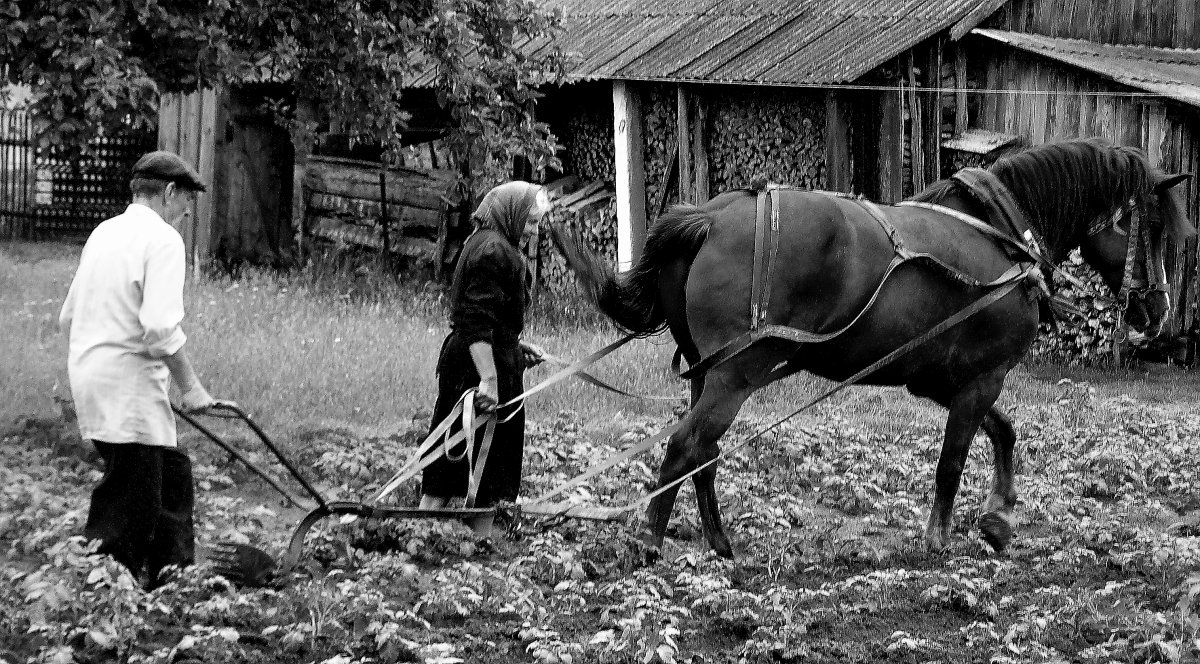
1128 70
263 197
876 98
245 159
679 101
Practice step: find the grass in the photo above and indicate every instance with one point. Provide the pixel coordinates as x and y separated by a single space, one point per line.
317 348
827 521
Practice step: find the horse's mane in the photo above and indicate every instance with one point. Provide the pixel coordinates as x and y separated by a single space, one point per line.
1063 186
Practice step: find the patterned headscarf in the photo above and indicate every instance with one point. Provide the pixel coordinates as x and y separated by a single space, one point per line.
506 208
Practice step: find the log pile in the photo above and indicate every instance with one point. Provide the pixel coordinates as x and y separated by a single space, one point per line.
775 134
344 205
660 142
588 140
587 211
1088 341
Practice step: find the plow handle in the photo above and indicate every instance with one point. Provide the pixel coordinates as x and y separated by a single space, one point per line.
262 435
238 455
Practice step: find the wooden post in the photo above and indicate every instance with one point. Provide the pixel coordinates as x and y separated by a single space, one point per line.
385 245
206 167
700 151
669 182
682 134
837 143
302 143
443 235
916 149
960 94
891 146
630 173
932 126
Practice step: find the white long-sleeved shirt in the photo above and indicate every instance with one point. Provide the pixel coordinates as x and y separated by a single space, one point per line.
124 311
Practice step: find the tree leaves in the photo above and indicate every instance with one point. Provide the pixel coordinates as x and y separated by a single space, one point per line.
94 65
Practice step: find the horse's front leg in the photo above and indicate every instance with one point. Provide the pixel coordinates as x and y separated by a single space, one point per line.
967 410
996 523
695 443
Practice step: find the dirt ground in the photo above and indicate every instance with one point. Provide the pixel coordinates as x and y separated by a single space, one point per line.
826 516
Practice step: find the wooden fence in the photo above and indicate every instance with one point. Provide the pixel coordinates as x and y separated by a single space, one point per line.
52 194
354 202
16 174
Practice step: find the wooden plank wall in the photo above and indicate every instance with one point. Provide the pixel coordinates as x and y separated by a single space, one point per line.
1167 23
187 126
1053 102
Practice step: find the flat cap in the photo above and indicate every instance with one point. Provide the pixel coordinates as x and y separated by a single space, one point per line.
164 165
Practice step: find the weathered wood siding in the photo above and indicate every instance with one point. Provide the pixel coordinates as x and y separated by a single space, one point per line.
1167 23
344 204
1044 102
187 126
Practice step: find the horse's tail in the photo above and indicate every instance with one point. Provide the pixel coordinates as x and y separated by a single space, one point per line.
632 299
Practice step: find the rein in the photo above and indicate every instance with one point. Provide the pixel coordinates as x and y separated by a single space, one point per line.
564 508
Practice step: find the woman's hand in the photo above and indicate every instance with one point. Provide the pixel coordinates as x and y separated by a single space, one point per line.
487 395
532 354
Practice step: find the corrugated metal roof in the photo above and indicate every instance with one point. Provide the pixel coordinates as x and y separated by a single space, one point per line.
775 42
1171 72
778 42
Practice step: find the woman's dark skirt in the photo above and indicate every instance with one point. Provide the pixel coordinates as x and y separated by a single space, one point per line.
456 373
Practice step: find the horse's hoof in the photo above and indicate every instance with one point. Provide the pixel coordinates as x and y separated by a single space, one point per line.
651 546
935 542
996 530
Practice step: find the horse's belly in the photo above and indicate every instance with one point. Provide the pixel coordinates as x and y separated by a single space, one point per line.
909 307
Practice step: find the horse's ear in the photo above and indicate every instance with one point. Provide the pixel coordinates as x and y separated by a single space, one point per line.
1169 180
1177 224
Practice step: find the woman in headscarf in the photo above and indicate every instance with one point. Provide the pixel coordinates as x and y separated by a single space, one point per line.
488 297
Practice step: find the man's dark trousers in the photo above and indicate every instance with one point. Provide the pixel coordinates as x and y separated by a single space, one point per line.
142 509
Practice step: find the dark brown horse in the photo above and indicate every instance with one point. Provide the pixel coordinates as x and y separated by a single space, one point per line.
695 279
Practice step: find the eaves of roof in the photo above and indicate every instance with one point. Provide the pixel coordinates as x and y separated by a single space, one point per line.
1171 72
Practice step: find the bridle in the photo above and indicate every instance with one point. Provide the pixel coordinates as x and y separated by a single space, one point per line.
1138 240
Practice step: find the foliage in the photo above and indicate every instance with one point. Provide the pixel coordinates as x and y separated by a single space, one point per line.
826 514
342 67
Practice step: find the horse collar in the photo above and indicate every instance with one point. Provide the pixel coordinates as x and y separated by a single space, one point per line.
1005 210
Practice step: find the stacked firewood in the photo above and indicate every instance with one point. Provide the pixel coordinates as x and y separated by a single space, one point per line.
775 135
587 212
1089 338
659 135
588 145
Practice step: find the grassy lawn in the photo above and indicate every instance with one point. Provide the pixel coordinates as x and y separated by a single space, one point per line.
825 513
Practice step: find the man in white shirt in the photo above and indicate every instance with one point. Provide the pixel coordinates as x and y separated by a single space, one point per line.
124 311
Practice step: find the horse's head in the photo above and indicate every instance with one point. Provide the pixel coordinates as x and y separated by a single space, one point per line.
1126 248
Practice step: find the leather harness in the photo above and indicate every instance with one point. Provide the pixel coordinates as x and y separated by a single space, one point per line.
983 184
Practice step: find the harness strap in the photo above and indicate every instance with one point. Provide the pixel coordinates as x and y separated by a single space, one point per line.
900 256
989 190
963 314
761 232
426 453
1013 274
591 379
772 254
1028 249
569 370
1131 247
480 462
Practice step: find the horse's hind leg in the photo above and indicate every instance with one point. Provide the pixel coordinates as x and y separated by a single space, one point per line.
967 410
693 444
996 521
